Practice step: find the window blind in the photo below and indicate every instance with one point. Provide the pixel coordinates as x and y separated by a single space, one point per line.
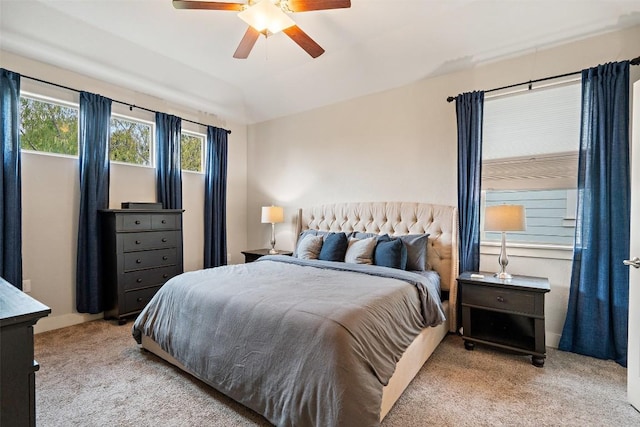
530 140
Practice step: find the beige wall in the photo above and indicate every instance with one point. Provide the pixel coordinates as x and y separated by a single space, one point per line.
401 145
395 145
50 193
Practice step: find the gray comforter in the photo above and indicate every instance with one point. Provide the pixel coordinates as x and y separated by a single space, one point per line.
305 343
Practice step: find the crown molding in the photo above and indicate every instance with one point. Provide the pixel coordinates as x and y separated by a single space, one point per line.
41 51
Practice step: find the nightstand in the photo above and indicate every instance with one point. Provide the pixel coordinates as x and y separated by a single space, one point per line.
254 254
507 314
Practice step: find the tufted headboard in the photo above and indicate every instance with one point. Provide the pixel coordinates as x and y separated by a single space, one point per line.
398 218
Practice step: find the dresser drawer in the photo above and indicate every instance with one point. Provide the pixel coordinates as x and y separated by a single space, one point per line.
137 300
133 222
164 222
149 259
145 278
148 240
501 299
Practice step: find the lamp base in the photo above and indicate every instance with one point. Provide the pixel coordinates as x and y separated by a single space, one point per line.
503 260
273 250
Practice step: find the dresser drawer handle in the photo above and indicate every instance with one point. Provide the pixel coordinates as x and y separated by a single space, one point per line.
164 240
165 258
165 275
137 222
139 299
138 261
500 298
164 221
139 280
138 242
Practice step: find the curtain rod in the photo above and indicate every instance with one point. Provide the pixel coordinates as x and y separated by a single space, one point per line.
635 61
131 106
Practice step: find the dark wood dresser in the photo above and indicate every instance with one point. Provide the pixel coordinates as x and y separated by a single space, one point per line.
141 250
18 313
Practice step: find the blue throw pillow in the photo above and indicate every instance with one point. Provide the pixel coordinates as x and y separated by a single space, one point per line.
334 247
390 253
416 251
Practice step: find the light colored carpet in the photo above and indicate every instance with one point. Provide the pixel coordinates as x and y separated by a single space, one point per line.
94 374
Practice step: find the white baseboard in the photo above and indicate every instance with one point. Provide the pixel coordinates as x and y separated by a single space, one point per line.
50 323
553 340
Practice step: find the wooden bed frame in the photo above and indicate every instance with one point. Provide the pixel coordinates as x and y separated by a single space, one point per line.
393 218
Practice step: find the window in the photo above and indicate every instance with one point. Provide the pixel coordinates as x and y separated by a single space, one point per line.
130 141
530 158
191 151
48 126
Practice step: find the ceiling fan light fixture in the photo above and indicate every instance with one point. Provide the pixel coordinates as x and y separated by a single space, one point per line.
264 15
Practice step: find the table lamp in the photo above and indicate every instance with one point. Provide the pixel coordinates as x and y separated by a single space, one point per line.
272 215
504 218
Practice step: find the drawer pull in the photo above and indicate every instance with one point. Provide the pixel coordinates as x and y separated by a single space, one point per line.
139 280
139 299
138 261
164 221
165 275
164 240
137 222
500 298
165 258
138 242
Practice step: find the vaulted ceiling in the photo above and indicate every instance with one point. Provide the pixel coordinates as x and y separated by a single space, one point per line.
185 56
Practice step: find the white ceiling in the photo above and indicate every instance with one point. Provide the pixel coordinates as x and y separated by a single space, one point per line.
185 56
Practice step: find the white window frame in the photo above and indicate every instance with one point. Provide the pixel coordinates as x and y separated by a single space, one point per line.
152 147
52 100
526 249
203 138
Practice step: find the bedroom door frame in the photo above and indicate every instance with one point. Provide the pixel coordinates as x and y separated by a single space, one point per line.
633 359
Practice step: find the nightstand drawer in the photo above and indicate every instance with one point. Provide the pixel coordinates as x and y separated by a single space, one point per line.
137 300
148 240
149 259
500 299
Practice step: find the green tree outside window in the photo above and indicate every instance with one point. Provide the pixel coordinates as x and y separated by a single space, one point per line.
48 127
53 128
191 152
130 142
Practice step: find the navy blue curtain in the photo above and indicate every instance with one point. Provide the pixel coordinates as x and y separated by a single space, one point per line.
469 109
215 198
597 313
168 167
94 123
10 182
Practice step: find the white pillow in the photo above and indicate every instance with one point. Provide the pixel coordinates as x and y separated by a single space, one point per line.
309 247
360 251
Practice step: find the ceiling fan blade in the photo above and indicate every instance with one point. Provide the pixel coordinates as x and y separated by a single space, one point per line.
246 44
304 41
209 5
307 5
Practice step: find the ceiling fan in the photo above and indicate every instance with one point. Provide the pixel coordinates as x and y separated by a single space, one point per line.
269 17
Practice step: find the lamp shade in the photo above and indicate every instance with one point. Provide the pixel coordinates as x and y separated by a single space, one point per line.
272 214
505 218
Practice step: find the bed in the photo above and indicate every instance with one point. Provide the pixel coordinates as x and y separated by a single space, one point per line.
308 342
